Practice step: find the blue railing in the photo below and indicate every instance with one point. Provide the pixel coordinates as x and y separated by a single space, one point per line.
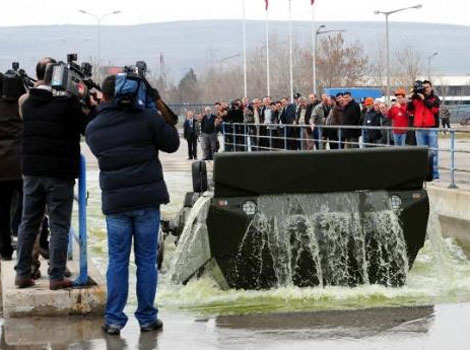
81 239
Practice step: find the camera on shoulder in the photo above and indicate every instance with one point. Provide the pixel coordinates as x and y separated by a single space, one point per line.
72 79
15 83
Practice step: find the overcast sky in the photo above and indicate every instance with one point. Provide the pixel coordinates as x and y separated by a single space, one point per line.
33 12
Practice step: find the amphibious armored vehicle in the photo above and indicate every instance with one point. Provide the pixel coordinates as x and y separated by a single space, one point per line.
272 219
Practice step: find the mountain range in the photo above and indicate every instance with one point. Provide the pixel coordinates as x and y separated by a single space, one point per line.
198 44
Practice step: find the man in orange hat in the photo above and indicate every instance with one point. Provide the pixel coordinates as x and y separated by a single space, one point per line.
400 118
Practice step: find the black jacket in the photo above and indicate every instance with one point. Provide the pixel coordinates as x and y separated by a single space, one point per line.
51 135
126 143
352 116
10 141
190 129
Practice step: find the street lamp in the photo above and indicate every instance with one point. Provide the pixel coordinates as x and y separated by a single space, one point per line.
387 14
429 64
98 22
318 32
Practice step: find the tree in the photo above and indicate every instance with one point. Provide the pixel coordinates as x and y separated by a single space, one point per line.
188 88
339 64
407 66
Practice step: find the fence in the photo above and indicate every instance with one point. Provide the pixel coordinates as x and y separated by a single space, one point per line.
274 137
81 239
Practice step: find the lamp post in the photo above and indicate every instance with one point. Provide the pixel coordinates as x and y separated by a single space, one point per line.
318 32
429 64
387 14
99 19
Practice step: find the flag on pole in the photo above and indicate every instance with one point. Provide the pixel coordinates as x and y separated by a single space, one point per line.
267 4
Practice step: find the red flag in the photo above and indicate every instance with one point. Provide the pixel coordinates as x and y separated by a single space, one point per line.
312 2
267 4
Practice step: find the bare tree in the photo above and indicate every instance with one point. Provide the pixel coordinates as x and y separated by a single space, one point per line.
340 64
407 63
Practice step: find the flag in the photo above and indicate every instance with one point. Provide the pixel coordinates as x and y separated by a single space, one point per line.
267 4
312 2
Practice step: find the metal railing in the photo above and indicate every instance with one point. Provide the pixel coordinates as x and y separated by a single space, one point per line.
81 239
288 137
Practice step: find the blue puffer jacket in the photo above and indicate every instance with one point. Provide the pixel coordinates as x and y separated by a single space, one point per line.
126 143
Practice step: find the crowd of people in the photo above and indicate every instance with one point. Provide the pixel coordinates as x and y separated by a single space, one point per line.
318 123
40 135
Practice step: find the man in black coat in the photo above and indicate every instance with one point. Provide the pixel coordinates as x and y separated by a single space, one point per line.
10 160
351 116
50 165
126 141
190 134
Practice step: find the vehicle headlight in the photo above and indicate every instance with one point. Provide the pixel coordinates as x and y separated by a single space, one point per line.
396 202
249 208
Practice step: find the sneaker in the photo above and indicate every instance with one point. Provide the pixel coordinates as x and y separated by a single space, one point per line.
156 326
111 329
60 284
23 282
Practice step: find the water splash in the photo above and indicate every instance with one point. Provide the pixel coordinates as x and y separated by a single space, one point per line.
323 239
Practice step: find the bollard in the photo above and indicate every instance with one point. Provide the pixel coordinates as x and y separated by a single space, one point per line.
452 160
361 144
82 278
340 139
223 137
320 138
270 139
246 137
285 138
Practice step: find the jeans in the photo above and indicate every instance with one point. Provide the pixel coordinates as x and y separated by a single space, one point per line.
399 139
429 138
57 195
142 226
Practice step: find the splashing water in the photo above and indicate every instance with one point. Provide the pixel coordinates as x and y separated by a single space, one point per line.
323 239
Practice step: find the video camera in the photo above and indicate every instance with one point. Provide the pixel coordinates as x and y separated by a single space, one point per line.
132 90
418 87
15 83
72 79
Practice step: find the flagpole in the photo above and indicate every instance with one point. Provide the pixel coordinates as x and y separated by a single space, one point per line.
267 55
245 90
290 54
314 50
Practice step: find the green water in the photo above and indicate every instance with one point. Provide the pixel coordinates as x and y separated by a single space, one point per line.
440 274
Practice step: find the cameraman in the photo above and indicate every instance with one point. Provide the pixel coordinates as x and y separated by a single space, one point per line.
424 106
126 140
50 161
10 158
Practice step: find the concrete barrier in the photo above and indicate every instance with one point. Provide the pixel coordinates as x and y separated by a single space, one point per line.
41 301
453 209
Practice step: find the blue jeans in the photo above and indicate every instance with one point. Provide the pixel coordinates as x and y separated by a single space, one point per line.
142 225
399 139
429 138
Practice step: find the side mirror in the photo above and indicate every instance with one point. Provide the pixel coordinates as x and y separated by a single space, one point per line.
199 176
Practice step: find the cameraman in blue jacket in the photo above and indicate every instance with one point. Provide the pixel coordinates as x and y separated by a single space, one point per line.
126 141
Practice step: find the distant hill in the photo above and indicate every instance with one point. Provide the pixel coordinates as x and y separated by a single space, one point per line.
198 44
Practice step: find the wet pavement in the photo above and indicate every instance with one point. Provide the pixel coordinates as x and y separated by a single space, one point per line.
425 327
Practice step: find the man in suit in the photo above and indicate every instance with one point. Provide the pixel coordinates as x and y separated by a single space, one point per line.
190 134
287 117
209 134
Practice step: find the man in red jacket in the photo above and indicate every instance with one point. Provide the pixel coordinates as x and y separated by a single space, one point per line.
425 107
399 116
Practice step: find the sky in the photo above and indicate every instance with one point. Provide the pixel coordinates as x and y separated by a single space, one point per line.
47 12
